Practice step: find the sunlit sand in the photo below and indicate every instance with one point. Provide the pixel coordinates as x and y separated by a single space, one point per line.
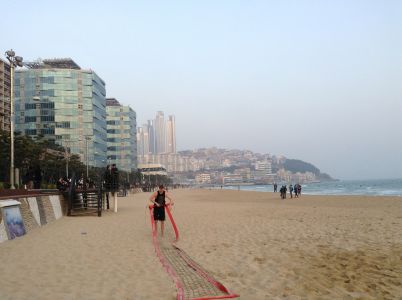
256 244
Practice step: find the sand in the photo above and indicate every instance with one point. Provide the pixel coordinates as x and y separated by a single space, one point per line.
259 246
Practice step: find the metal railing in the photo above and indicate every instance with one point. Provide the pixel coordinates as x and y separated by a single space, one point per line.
84 200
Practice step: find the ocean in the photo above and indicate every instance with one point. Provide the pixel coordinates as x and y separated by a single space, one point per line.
381 187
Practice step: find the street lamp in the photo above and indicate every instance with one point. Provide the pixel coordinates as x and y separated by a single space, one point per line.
15 61
87 138
67 144
2 123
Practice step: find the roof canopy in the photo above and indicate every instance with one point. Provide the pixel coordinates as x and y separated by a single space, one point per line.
57 63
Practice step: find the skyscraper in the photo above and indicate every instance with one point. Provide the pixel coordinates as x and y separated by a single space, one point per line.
171 135
160 133
57 99
157 141
121 135
143 140
151 136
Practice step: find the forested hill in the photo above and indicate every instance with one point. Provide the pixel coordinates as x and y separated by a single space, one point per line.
295 165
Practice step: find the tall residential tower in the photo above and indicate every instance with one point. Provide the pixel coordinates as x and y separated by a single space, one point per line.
160 133
171 135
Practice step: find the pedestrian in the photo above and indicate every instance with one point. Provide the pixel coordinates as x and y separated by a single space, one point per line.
158 199
295 190
114 179
37 177
290 191
283 191
107 182
299 188
275 187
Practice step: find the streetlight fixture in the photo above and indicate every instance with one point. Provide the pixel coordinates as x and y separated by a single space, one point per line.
2 115
67 145
87 138
15 61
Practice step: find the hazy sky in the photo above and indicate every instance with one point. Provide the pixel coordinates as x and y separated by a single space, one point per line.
319 81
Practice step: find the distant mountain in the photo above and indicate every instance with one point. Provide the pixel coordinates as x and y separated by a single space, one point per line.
295 165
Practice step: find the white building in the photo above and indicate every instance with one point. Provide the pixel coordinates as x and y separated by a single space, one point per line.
203 178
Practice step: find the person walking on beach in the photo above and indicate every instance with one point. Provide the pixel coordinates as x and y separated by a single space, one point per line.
299 188
275 187
283 191
291 191
295 190
158 199
107 182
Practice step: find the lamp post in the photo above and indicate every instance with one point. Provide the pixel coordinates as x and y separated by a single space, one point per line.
66 148
2 122
87 138
15 61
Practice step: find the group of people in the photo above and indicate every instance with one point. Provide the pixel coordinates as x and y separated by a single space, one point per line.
33 178
64 183
296 189
111 178
110 181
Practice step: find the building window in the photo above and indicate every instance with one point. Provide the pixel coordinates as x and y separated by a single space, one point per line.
47 131
47 118
47 105
63 124
30 106
30 131
30 119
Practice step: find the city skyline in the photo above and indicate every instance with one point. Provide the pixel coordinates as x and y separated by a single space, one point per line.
314 81
157 136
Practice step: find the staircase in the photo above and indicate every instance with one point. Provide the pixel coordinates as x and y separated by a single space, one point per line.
84 201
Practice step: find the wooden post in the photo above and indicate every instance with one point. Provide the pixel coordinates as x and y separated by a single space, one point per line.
115 202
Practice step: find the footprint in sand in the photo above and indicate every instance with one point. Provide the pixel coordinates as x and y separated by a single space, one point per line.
260 260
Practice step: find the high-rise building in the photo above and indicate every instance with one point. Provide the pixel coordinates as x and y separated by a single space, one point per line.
171 135
157 142
57 99
143 140
140 141
5 95
121 135
160 133
151 136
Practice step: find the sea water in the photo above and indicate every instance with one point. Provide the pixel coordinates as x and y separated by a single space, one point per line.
379 187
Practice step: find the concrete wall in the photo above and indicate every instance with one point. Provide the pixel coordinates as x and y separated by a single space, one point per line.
36 211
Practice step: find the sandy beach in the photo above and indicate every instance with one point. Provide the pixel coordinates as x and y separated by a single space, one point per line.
259 246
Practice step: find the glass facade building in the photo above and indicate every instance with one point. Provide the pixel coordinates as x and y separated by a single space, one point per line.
121 135
65 104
